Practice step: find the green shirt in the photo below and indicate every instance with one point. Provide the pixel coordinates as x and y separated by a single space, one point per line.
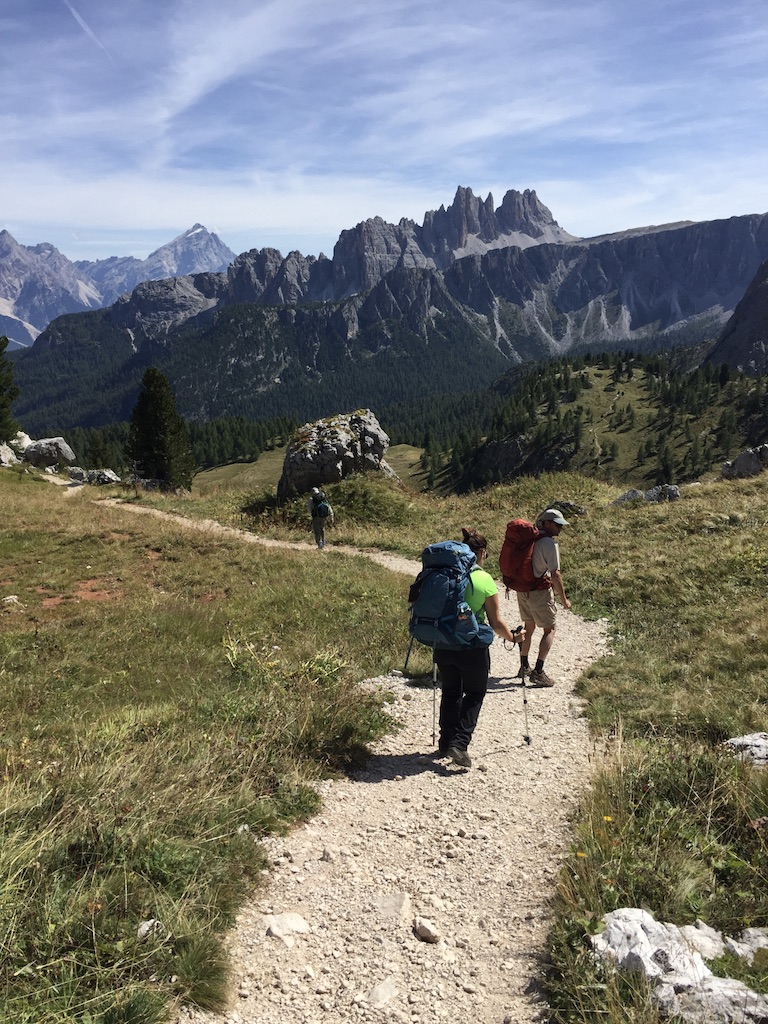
481 586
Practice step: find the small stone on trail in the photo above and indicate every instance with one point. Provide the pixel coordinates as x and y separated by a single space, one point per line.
425 930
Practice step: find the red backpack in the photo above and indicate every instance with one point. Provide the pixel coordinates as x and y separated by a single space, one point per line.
516 557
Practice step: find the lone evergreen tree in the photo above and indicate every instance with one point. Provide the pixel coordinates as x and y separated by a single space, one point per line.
158 439
8 395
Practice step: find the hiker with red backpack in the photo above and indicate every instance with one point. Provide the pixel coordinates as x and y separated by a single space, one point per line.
530 565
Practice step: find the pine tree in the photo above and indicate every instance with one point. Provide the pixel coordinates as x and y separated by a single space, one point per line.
159 441
666 471
8 395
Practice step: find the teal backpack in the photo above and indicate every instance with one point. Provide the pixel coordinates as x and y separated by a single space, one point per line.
320 507
440 618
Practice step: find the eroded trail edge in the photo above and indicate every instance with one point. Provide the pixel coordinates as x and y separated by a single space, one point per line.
476 852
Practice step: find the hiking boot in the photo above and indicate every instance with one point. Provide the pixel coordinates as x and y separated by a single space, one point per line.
460 757
540 679
523 672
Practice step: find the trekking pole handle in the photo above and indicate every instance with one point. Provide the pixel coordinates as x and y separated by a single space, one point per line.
517 629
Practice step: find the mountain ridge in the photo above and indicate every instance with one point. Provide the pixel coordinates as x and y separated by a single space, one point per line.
31 297
274 335
38 283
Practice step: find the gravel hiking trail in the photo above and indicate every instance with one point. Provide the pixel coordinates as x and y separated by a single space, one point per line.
421 891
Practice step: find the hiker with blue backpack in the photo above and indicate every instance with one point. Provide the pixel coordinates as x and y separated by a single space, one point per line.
450 600
321 512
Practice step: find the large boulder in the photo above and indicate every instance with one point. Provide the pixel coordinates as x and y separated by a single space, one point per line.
48 451
330 450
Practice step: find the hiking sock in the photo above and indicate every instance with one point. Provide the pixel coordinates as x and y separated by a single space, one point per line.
524 661
539 666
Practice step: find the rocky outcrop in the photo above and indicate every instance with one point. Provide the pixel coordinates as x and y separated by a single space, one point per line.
366 253
92 476
7 455
753 747
673 961
156 307
43 453
330 450
661 492
263 276
750 462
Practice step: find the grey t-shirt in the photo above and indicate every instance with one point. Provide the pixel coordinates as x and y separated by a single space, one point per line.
546 556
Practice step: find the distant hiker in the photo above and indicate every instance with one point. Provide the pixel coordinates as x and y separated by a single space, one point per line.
537 607
464 673
322 513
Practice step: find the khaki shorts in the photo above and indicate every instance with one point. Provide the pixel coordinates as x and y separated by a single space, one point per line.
538 606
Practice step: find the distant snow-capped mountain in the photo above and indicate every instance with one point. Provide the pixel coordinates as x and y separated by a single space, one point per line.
38 283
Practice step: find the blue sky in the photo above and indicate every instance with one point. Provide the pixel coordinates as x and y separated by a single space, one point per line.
282 123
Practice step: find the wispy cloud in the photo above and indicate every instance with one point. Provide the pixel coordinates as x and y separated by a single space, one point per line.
85 26
292 121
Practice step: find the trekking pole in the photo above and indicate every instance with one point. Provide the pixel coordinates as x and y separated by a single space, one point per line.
526 734
410 648
434 699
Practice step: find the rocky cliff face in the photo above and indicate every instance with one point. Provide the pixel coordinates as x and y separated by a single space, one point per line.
615 290
38 283
744 341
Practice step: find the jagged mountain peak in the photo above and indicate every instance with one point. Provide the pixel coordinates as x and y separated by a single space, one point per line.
39 283
469 225
195 251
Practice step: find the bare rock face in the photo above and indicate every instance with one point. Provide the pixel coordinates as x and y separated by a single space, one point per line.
155 307
744 340
330 450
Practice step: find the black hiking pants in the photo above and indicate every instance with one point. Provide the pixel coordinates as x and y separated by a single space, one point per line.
464 681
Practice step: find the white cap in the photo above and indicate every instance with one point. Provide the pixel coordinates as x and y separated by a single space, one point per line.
553 515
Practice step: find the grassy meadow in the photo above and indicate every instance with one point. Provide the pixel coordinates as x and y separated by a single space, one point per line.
169 697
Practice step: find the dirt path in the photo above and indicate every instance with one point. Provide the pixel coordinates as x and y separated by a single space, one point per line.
476 852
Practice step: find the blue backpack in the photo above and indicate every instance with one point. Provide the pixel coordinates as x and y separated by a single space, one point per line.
440 617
